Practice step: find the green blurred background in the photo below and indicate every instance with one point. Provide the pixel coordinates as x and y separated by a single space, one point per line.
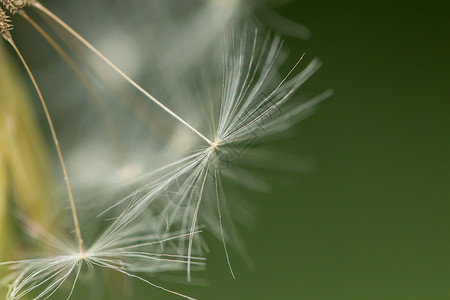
371 221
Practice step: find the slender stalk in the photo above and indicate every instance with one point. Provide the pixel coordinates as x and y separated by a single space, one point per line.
8 37
115 68
216 181
104 117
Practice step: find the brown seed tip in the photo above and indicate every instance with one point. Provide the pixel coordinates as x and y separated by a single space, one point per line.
14 5
5 22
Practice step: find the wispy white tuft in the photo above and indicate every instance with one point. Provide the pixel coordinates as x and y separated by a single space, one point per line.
250 107
127 247
247 97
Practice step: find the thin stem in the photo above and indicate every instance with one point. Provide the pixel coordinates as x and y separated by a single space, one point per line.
116 69
216 180
8 37
104 117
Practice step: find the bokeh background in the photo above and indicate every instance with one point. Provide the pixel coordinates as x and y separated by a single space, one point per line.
371 220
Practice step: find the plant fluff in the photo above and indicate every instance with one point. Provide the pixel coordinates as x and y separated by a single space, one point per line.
159 198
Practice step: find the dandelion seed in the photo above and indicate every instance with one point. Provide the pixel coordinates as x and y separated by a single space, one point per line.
125 247
108 251
248 109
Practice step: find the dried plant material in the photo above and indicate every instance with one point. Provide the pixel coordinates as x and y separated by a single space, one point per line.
5 22
14 5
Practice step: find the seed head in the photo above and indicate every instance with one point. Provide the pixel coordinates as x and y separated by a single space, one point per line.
14 5
5 22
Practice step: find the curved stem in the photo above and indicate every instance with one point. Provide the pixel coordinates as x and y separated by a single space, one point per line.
8 37
97 101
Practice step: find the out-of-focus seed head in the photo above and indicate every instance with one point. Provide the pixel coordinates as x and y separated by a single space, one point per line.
5 22
14 5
